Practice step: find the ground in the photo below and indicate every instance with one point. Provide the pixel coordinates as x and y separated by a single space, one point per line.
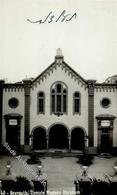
60 172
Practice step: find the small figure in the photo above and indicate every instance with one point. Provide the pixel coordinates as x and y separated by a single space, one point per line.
8 168
84 172
39 166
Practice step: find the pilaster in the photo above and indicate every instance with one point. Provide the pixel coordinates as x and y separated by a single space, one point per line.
47 141
27 86
91 84
69 142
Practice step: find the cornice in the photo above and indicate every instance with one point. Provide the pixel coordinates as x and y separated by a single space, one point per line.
105 87
6 85
13 87
105 116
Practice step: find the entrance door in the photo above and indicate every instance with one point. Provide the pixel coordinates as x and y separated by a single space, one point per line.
77 139
105 142
58 137
13 126
39 139
13 136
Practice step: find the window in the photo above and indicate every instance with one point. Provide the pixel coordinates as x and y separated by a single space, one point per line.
77 103
59 98
105 102
13 102
41 99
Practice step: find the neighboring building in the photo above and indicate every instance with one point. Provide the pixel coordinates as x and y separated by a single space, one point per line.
61 110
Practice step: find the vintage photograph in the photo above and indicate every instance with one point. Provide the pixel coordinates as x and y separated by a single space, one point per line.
58 97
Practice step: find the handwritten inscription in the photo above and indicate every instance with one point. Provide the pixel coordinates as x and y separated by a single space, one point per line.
63 17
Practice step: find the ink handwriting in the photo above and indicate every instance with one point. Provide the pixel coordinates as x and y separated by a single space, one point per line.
63 17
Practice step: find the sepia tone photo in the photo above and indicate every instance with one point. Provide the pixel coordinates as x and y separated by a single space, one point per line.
58 97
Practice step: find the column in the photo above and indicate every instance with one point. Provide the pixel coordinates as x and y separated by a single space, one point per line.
111 134
69 142
47 141
1 107
91 84
27 85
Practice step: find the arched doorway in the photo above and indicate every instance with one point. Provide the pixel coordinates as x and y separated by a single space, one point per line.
39 139
58 137
77 139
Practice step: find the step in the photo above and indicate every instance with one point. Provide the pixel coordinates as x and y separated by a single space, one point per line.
58 153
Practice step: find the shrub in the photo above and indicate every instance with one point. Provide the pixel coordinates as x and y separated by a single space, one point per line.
40 186
86 159
34 159
100 187
8 185
22 184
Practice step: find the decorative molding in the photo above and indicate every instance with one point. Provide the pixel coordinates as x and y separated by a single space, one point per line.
13 87
105 87
105 117
109 119
59 63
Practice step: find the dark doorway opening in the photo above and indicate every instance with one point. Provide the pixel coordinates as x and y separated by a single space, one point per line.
105 142
13 126
39 139
77 139
58 137
13 136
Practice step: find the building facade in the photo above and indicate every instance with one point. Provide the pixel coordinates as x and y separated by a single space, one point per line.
59 110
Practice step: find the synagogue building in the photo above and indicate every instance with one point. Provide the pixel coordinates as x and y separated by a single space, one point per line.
59 110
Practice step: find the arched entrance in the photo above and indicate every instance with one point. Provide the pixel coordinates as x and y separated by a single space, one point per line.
39 139
77 139
58 137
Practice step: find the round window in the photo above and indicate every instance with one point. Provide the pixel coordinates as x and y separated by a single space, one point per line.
13 102
105 102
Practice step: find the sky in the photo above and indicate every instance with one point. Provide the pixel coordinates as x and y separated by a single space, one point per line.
88 41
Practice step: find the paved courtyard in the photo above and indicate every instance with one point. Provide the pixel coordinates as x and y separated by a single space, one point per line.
60 172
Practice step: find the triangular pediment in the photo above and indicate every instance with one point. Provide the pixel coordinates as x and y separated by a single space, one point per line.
59 63
65 67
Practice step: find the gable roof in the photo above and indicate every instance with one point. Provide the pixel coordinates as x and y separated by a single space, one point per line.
59 62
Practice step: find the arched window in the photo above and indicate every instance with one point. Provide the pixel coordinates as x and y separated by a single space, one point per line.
41 100
59 98
77 102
